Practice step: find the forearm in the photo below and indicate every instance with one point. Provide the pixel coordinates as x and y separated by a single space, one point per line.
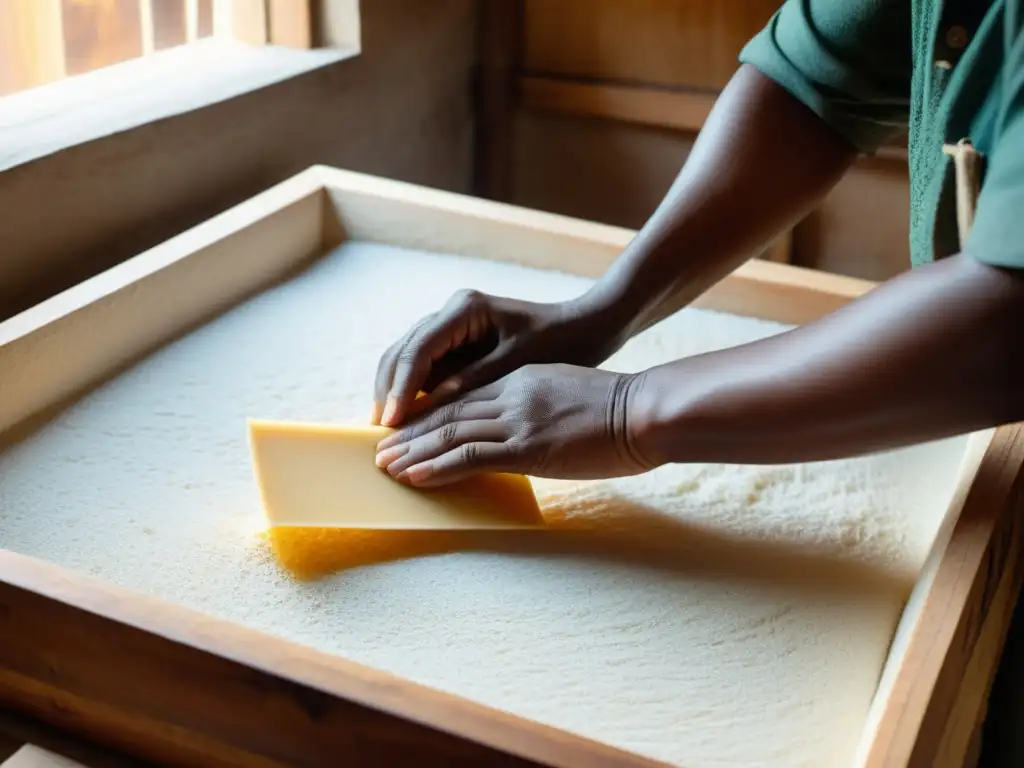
933 353
760 164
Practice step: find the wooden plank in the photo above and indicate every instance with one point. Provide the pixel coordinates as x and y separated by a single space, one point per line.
389 211
166 684
192 13
98 34
204 17
674 109
146 27
499 57
278 231
171 20
31 44
938 698
832 238
692 44
290 23
243 20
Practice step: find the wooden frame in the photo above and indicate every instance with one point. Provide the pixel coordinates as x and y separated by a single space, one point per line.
32 33
168 684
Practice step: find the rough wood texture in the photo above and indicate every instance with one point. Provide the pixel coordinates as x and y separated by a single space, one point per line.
102 205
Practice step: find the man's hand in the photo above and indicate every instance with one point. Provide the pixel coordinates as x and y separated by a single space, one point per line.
543 420
476 339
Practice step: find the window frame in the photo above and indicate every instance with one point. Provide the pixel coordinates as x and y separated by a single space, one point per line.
32 33
64 112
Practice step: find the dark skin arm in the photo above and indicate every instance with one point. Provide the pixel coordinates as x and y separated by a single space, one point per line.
715 216
936 352
761 163
932 353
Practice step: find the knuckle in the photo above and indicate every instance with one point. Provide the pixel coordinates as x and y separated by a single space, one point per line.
516 444
446 416
512 416
449 433
467 297
408 354
452 411
529 371
470 455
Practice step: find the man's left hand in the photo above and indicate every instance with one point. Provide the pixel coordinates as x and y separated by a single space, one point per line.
558 421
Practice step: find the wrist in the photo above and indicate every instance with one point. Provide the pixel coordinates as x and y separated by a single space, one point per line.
644 420
597 325
666 414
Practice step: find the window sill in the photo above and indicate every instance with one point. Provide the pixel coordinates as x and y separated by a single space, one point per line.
54 117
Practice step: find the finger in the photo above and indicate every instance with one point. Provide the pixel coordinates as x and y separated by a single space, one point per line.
426 406
463 326
413 361
460 464
469 410
382 381
439 442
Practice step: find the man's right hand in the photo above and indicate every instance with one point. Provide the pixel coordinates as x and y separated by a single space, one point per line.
476 339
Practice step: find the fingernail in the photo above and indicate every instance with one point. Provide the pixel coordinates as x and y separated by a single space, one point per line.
387 456
376 413
417 474
389 412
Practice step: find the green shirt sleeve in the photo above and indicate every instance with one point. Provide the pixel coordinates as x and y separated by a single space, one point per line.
997 236
847 60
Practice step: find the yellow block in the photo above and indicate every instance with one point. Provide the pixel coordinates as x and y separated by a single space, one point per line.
320 487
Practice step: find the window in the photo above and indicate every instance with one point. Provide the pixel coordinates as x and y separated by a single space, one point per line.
42 41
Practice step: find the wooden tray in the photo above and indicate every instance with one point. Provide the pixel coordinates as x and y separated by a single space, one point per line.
177 687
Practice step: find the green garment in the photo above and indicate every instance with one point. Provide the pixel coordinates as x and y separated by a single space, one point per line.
939 70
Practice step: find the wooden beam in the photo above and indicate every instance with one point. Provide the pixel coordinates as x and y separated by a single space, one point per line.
674 109
244 20
499 54
678 110
290 23
147 27
31 44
